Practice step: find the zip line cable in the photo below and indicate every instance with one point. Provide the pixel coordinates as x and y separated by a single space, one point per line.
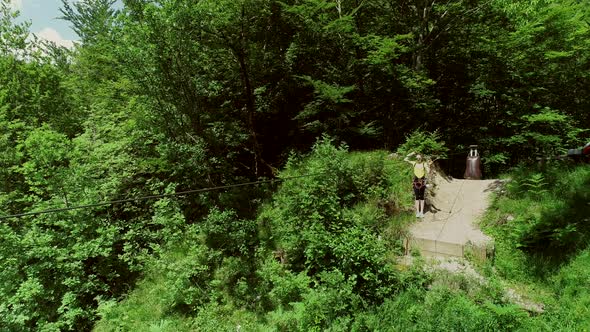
180 193
143 198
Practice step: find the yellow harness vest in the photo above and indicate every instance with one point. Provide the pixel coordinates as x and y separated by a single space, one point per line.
419 170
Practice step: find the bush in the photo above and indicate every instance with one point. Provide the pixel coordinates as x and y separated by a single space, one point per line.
313 220
328 305
329 231
279 287
176 283
551 231
231 235
569 309
427 143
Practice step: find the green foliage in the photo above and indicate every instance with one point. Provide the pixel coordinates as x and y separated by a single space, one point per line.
213 318
228 234
280 285
57 264
534 186
89 18
314 276
47 155
542 240
179 280
170 95
552 209
83 250
329 304
318 226
13 36
439 309
546 133
571 286
329 99
382 50
427 143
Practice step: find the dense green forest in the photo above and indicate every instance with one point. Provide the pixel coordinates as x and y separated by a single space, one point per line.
165 96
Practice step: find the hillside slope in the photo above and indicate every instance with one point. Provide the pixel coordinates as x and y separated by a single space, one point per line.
320 256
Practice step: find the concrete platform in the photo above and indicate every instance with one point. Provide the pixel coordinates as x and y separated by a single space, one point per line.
448 228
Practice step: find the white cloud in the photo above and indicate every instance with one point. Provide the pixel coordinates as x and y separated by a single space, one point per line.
54 36
16 4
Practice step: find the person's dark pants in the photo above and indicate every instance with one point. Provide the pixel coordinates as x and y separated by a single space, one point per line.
419 193
419 188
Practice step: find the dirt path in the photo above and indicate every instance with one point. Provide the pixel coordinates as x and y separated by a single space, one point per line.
449 225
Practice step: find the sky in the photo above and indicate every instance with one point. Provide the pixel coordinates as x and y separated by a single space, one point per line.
45 23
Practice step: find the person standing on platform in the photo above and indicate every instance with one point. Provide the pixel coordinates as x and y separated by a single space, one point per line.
421 169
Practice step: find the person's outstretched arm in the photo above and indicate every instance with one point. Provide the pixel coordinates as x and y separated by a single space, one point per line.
408 156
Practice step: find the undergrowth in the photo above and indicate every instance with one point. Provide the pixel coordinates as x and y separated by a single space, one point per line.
321 256
321 250
540 223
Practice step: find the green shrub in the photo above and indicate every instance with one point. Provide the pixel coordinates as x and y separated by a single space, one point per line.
551 232
570 308
317 225
177 282
320 252
427 143
279 286
536 185
226 232
328 305
218 318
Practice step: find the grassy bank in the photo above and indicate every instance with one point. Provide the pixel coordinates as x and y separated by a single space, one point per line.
541 226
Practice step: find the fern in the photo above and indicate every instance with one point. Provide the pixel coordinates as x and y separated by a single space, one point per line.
536 185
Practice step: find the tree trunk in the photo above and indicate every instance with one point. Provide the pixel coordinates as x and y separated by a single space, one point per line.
250 108
241 54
